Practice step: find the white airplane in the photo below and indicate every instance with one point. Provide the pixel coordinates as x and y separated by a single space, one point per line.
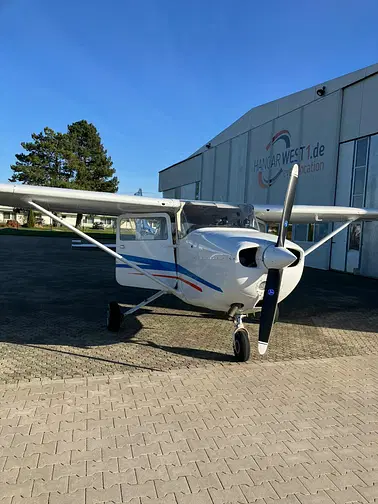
208 254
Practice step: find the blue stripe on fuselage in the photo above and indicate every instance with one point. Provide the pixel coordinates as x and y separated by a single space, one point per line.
154 264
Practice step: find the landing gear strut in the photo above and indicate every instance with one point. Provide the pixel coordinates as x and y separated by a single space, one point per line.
242 347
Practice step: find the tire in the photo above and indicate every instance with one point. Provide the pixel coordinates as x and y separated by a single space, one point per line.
114 317
242 347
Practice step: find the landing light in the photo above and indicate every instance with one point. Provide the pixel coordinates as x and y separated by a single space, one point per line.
261 286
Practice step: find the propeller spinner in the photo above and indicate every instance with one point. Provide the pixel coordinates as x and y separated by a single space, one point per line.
276 258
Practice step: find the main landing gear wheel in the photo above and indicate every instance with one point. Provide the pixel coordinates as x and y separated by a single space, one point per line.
242 347
113 317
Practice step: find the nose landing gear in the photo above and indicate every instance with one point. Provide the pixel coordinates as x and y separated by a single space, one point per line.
242 347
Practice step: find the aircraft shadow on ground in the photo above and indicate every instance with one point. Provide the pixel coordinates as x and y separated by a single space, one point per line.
337 299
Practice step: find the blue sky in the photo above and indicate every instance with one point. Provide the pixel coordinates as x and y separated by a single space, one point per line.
159 78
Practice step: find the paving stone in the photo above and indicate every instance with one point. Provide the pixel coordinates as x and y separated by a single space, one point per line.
256 492
10 477
79 482
323 482
201 497
320 498
44 487
61 470
17 499
345 496
26 462
42 473
130 492
231 496
178 471
220 466
164 488
346 480
22 490
198 483
112 494
294 486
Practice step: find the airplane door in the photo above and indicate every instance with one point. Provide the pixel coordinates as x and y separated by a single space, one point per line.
145 240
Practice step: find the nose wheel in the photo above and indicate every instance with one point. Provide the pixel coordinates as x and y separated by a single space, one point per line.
242 347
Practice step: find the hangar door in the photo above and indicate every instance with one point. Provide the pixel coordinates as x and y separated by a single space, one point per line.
350 191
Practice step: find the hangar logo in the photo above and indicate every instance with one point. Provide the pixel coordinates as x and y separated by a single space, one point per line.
307 156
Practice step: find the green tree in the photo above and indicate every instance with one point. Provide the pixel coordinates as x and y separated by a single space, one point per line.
87 160
44 162
75 159
31 219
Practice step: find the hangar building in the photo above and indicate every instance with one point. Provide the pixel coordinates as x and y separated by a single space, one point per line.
331 130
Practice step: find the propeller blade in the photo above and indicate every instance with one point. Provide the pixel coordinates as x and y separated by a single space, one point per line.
268 311
288 206
279 257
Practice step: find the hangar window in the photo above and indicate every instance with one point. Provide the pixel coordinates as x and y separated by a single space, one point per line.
361 151
359 172
355 236
311 232
321 230
301 232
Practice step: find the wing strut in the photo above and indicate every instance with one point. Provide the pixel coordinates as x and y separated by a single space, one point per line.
104 248
329 236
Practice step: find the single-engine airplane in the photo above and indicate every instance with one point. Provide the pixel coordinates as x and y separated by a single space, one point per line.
209 254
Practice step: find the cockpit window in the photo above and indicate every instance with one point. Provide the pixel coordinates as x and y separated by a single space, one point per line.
196 216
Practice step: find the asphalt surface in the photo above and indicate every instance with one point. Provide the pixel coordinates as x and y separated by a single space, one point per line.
53 306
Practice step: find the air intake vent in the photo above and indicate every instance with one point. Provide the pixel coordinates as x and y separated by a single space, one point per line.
247 257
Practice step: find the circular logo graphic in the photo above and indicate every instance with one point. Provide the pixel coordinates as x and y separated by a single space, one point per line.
286 223
270 292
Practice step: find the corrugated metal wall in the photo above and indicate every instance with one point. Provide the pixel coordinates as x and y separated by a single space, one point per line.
253 166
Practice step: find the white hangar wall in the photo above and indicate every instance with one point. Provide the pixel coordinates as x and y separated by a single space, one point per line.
250 162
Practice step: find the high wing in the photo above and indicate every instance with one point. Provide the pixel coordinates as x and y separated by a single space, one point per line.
86 202
303 214
89 202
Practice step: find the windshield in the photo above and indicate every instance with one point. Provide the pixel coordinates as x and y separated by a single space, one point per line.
196 215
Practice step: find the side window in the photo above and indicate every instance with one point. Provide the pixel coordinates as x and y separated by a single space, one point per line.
142 229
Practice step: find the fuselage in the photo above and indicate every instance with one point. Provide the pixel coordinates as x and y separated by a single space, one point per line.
231 261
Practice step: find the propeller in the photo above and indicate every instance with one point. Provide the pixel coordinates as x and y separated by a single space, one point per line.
276 257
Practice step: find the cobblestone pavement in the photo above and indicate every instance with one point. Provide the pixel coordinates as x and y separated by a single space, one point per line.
52 318
295 432
293 428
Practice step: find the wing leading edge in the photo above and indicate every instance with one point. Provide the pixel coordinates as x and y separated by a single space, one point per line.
89 202
304 214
